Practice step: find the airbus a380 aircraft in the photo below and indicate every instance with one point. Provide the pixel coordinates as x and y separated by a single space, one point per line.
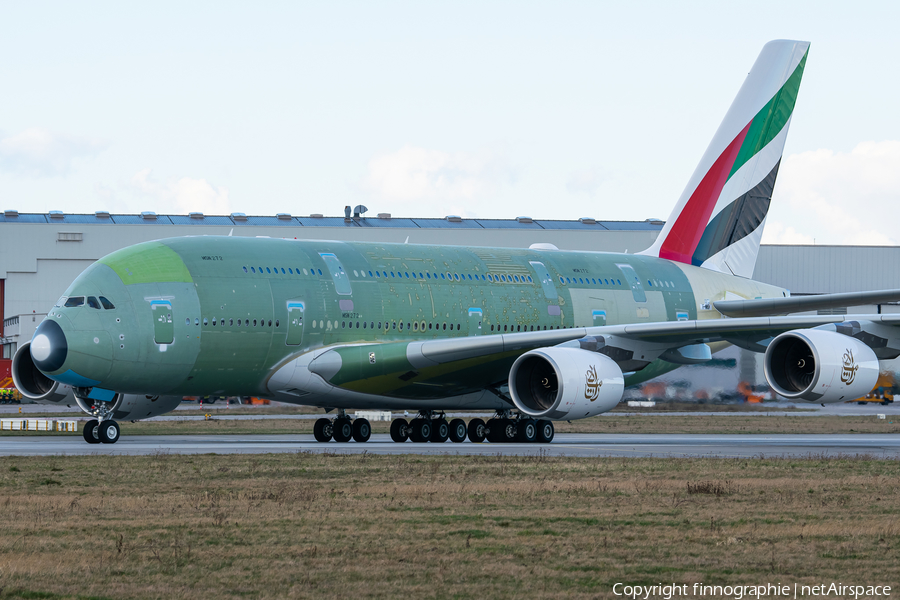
431 328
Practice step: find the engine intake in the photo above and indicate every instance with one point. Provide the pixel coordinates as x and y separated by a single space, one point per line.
35 385
565 383
820 366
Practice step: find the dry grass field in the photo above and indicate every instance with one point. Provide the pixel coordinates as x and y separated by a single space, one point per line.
349 526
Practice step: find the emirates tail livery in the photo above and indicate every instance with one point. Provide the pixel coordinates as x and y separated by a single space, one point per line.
537 335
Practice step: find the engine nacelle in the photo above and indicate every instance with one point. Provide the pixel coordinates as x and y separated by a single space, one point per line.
565 383
33 384
820 366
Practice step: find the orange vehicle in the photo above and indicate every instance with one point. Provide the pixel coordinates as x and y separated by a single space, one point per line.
882 393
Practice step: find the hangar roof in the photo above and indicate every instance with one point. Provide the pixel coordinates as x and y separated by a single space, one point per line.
240 220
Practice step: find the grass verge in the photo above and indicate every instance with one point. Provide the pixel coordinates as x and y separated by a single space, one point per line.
338 526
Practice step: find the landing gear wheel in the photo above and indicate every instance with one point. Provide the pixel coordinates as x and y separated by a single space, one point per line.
457 431
545 431
108 432
526 431
362 430
476 431
507 430
90 433
440 431
492 428
323 430
399 430
343 430
420 430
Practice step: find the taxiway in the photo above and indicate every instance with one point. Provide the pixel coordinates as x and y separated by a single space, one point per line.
570 444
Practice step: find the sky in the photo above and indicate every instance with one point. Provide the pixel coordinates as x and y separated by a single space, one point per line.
553 110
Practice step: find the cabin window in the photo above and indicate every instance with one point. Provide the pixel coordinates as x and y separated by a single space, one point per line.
270 322
394 325
254 322
205 321
245 269
377 274
364 324
187 321
239 322
343 324
231 322
197 322
428 275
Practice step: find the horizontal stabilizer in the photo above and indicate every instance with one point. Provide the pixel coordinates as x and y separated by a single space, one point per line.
794 304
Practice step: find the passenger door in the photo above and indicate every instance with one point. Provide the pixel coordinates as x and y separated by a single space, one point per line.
163 325
295 323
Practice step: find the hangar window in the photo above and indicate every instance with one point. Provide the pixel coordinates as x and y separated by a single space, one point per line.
92 302
74 301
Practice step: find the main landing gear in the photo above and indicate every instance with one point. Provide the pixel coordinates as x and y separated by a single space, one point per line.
342 429
503 428
429 426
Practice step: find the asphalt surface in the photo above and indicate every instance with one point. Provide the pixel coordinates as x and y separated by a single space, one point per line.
584 445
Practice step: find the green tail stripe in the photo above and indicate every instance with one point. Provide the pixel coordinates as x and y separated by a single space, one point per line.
769 121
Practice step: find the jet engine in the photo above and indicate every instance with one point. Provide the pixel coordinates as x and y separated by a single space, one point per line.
34 384
565 383
820 366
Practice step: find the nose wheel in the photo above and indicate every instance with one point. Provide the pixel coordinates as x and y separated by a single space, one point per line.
97 432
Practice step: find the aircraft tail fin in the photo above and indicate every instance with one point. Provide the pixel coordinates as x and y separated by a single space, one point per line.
719 219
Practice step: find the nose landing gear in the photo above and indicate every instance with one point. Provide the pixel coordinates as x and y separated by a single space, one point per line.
101 429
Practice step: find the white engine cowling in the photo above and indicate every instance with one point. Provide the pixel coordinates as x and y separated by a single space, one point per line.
820 366
565 383
33 384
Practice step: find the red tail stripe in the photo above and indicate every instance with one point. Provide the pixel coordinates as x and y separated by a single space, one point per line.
682 239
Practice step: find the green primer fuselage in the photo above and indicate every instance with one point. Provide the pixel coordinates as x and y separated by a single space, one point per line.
218 315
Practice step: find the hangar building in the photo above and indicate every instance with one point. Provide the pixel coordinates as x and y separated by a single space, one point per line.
40 254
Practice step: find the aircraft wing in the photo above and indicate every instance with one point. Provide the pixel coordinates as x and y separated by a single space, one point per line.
746 333
794 304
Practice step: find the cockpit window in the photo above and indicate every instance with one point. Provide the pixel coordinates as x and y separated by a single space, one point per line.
92 302
106 303
74 301
61 301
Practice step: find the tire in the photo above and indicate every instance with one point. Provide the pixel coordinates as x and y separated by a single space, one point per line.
493 430
108 432
508 430
457 431
362 430
399 430
476 431
90 433
440 431
545 431
343 430
420 430
526 431
323 430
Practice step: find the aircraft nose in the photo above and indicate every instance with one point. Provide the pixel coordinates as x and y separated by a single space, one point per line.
49 347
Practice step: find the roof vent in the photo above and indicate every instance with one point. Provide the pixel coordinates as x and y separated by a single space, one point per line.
655 221
317 216
238 217
102 214
56 214
196 215
454 218
149 215
10 213
384 215
588 221
283 216
524 220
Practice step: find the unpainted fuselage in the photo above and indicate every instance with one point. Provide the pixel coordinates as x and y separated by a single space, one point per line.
219 315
